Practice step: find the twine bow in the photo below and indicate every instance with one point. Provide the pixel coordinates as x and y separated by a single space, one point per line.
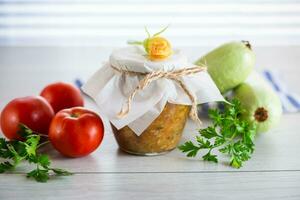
152 76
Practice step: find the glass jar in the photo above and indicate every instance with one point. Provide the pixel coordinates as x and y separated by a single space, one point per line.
161 136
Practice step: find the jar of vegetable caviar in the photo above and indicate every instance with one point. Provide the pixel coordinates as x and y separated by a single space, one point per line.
161 136
133 90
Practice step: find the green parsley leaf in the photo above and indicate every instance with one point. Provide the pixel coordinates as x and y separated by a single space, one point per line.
5 166
16 157
44 161
24 131
219 141
31 145
209 132
61 172
4 151
39 175
190 149
16 151
228 134
210 157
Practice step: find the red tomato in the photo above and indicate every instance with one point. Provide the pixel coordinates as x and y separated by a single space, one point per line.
62 95
76 132
33 111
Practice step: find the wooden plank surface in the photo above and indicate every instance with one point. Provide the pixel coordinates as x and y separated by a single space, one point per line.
152 186
272 173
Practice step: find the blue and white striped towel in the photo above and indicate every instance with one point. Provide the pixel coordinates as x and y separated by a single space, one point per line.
290 101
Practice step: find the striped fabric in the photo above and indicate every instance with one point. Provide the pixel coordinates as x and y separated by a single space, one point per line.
290 101
111 22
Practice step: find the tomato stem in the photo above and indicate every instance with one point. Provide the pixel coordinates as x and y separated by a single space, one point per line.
75 115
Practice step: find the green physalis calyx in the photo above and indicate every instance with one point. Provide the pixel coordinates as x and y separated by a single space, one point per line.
228 134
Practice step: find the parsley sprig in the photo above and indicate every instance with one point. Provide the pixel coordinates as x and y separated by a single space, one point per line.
229 134
13 152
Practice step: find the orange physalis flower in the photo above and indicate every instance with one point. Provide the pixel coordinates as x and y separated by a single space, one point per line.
157 48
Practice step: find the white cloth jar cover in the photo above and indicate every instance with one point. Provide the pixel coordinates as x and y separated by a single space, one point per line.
110 89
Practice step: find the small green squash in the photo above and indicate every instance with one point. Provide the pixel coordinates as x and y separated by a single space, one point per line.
261 104
230 64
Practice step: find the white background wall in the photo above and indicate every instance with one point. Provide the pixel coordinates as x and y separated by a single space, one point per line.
113 22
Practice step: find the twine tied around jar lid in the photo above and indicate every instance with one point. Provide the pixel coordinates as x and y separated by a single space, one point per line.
155 75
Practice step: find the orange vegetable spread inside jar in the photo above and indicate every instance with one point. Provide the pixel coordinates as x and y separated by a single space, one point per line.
162 135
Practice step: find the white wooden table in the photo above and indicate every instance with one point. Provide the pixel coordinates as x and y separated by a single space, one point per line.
272 173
